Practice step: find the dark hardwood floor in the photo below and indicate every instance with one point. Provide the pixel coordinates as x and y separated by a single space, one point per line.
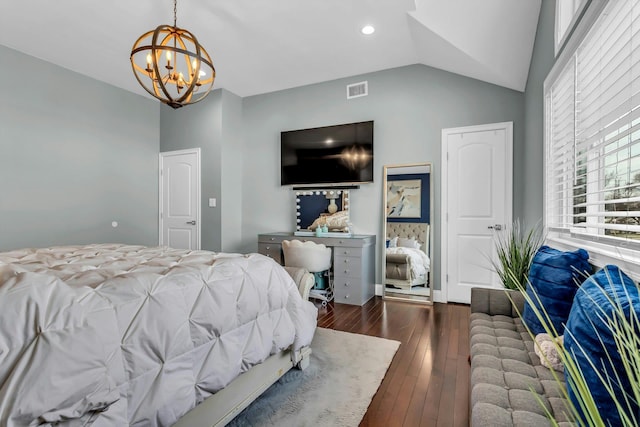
427 383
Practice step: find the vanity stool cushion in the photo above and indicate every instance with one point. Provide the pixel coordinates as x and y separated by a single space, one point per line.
314 257
505 371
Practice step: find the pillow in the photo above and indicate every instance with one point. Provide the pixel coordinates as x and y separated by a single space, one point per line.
393 243
407 243
588 339
554 277
547 351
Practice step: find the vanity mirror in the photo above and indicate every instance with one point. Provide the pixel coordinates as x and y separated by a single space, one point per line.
408 210
325 209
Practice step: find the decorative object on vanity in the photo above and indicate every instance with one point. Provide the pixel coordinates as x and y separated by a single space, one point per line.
407 205
172 66
353 262
345 383
314 216
340 154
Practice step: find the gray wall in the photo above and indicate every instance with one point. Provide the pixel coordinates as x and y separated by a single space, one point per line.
78 154
410 106
75 155
531 161
213 125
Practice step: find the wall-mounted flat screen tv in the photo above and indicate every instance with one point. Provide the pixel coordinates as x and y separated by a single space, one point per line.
340 154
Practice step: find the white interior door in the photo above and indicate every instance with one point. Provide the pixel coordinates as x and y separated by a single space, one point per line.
477 202
180 199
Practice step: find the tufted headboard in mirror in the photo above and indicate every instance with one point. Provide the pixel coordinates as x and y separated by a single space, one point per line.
410 230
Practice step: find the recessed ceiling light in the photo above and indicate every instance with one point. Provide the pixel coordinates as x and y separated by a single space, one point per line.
367 30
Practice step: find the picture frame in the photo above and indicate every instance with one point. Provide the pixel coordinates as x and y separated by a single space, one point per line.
404 198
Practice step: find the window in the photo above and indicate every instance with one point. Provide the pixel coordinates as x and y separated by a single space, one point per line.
567 13
592 148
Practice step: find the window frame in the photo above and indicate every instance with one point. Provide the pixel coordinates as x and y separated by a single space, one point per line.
576 10
603 250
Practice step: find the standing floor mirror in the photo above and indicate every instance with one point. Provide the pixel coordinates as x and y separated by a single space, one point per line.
408 211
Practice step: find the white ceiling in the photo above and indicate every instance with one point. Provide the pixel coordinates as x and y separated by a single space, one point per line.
264 46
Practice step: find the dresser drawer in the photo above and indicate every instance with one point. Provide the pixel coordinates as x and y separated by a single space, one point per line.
351 297
272 250
347 252
344 267
347 291
266 238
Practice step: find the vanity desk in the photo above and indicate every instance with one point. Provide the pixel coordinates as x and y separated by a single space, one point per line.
353 262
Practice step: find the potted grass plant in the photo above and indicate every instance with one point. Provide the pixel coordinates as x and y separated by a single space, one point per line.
621 384
515 249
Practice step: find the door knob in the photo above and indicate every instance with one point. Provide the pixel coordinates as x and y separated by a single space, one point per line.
191 222
496 227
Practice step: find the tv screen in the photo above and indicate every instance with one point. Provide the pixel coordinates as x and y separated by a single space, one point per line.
340 154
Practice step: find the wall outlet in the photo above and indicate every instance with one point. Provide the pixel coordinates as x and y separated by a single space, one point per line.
212 202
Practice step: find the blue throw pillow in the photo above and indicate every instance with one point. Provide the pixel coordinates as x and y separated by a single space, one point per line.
588 338
554 277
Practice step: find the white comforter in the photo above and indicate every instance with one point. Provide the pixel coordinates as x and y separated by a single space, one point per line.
110 335
418 260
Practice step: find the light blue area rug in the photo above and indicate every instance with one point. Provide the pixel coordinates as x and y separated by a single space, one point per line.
335 390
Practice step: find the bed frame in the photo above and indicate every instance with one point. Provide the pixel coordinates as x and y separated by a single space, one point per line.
399 263
222 407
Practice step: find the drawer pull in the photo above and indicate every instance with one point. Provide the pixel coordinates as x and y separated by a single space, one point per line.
273 238
347 284
346 271
268 247
346 297
346 261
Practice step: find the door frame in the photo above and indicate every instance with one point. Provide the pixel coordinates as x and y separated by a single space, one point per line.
161 158
444 198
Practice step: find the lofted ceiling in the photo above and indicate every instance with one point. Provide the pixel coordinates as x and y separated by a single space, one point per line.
265 46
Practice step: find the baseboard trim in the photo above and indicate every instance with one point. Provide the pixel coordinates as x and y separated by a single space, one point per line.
438 295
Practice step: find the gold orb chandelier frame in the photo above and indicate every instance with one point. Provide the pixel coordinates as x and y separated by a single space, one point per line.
172 66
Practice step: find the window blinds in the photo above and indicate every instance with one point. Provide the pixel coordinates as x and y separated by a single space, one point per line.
593 131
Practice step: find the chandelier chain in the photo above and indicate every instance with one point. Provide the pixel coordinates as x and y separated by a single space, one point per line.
175 13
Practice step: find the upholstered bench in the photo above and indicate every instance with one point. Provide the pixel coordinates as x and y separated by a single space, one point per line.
505 371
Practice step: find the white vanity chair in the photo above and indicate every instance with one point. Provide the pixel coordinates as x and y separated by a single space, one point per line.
315 258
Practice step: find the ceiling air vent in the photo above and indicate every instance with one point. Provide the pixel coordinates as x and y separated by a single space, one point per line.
357 90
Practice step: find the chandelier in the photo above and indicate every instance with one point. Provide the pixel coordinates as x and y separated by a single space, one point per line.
172 66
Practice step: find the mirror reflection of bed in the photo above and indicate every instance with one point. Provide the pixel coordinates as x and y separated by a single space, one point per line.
408 211
408 261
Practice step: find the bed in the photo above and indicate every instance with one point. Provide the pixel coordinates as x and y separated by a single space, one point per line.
110 335
407 265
